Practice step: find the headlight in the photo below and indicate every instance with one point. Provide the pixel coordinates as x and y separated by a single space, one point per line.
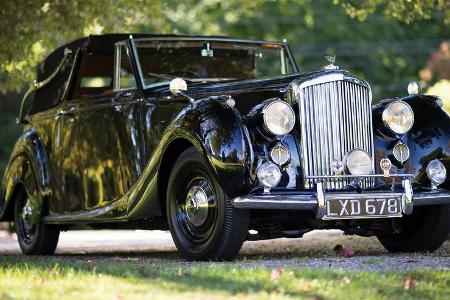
359 162
399 116
279 118
269 174
436 172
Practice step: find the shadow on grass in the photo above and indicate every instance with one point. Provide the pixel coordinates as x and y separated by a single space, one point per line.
199 277
177 276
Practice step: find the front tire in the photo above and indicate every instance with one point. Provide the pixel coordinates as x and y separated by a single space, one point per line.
34 237
203 223
423 231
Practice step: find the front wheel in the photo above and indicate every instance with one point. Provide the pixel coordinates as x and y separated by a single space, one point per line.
423 231
33 236
203 223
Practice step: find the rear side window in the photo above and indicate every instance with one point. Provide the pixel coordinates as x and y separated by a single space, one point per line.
95 74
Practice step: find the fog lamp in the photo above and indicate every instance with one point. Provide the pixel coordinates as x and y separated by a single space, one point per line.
436 172
359 162
269 174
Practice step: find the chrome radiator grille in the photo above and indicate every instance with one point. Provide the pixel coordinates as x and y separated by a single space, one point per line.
335 118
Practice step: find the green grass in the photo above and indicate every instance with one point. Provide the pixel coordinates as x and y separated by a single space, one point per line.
82 278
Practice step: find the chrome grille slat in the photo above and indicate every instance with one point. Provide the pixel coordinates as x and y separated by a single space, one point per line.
335 118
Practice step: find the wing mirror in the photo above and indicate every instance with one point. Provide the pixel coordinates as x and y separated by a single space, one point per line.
178 86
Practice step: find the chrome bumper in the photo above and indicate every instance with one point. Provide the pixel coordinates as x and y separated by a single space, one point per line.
315 201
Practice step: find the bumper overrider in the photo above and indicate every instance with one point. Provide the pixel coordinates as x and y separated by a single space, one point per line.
320 201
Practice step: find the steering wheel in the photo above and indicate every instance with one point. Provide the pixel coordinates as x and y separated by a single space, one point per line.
182 73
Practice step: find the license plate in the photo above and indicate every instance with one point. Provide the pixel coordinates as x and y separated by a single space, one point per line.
361 208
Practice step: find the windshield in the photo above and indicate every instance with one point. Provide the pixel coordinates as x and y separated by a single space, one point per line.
205 61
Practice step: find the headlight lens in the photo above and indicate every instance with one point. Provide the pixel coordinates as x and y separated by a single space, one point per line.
436 172
359 162
269 174
399 116
279 118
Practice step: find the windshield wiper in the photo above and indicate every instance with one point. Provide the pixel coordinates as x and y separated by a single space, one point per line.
167 76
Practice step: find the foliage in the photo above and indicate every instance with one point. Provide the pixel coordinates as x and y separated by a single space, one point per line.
408 11
31 29
134 278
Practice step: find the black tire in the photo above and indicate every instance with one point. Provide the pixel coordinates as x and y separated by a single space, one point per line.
423 231
34 238
203 223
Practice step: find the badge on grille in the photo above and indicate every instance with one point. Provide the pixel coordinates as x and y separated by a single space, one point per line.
337 166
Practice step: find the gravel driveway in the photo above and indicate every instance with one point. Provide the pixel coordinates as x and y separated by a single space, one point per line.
314 250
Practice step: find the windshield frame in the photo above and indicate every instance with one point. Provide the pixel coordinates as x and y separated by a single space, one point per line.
283 44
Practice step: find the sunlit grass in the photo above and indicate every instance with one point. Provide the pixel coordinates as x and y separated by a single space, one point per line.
63 278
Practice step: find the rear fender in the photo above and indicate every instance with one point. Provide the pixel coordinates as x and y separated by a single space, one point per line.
27 169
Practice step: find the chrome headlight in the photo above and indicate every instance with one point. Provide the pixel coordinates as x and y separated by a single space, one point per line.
399 116
279 117
359 162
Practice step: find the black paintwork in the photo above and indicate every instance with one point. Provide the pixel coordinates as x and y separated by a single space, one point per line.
108 159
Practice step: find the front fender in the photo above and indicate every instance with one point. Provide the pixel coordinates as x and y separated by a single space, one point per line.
217 131
428 139
28 169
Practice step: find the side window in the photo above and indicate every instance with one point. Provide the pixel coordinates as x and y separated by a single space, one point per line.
124 72
95 74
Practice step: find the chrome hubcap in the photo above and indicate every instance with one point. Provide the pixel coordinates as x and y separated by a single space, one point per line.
27 216
196 205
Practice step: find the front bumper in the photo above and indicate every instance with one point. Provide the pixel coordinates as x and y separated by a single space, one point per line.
315 201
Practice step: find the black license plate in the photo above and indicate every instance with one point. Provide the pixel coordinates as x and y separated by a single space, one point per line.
365 207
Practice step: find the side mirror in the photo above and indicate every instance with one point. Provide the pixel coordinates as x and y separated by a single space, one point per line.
177 86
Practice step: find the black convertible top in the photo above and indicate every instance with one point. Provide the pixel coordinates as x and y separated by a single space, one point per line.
99 44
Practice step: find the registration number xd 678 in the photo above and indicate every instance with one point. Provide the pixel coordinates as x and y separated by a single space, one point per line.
365 207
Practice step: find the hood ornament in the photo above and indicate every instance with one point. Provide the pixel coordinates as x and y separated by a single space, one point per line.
331 59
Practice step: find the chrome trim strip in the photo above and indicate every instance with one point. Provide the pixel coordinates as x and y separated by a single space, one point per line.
357 176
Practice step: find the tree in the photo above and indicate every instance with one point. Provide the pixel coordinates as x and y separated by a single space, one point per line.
408 11
31 29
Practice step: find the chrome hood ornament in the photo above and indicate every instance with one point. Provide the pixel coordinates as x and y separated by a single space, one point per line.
331 59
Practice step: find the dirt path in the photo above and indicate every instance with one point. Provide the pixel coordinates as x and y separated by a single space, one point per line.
315 250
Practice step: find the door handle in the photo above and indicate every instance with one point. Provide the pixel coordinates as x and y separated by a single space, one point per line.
66 112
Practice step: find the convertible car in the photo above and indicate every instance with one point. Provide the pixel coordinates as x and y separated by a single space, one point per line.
220 141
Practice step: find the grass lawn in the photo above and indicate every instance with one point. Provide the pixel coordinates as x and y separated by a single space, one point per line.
82 278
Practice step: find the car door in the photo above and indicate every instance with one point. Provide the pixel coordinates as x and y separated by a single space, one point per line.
101 140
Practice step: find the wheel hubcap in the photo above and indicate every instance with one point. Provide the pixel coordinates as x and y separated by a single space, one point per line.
26 224
196 212
197 205
27 215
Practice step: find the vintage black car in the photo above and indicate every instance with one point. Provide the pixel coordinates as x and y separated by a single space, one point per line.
220 141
